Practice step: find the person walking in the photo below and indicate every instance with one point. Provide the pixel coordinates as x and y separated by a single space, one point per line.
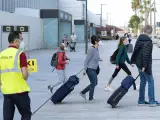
142 57
91 64
61 68
73 40
14 74
121 58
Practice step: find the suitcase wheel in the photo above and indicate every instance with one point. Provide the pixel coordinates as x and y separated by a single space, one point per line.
113 106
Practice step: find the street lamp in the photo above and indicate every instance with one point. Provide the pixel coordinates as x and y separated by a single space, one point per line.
101 13
86 26
100 18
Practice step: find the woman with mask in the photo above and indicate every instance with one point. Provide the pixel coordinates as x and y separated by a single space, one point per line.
91 66
121 58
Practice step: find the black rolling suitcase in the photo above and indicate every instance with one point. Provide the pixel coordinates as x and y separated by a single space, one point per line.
65 89
117 96
121 91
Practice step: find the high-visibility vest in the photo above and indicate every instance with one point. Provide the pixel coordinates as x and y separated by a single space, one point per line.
11 76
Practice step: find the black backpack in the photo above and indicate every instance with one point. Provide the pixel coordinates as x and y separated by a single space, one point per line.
113 57
54 60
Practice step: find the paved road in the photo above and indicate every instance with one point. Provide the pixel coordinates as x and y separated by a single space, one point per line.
74 107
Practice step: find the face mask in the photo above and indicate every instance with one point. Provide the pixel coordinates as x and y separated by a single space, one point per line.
126 43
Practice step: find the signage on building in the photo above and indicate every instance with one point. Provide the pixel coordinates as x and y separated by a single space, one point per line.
7 28
69 18
61 15
22 28
65 16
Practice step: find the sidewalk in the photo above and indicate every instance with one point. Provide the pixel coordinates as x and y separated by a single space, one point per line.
74 107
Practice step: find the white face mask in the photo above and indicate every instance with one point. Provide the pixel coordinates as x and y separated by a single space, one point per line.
126 43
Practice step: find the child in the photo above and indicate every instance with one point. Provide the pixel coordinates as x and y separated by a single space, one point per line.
60 68
121 58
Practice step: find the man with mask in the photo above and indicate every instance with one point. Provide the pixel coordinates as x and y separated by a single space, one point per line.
142 57
14 74
22 45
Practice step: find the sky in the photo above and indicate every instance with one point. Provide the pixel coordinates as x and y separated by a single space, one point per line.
119 11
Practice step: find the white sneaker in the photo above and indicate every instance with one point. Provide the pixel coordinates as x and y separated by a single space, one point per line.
83 96
93 101
109 89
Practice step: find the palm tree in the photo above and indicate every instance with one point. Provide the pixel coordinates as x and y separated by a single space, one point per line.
134 6
145 9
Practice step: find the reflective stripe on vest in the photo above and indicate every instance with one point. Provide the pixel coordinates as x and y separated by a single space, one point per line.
15 69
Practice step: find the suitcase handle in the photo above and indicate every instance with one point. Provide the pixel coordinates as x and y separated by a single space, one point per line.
137 76
80 71
79 76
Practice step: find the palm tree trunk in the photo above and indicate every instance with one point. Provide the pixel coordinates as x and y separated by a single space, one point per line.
135 11
150 15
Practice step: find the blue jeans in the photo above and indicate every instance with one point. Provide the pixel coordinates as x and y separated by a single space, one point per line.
144 78
92 75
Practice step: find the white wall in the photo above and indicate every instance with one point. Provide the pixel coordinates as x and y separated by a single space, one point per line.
28 12
73 7
93 18
48 4
35 34
10 5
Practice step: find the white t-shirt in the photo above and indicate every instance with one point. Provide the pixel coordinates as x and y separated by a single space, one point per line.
73 38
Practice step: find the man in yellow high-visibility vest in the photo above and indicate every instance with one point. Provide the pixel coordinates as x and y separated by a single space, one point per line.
14 74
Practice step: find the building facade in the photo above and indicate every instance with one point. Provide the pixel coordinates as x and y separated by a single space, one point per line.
78 11
10 5
74 8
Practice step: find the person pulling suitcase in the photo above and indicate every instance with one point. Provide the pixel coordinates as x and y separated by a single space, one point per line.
118 94
60 67
91 67
121 58
64 90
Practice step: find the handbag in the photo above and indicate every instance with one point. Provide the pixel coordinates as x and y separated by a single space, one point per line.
98 70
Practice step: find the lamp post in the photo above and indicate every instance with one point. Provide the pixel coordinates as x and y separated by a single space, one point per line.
86 27
100 18
101 13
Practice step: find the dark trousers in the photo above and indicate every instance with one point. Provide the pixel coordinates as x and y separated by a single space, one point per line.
21 101
129 41
92 75
125 68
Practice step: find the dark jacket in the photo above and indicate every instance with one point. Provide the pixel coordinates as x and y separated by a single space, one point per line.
122 56
142 55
